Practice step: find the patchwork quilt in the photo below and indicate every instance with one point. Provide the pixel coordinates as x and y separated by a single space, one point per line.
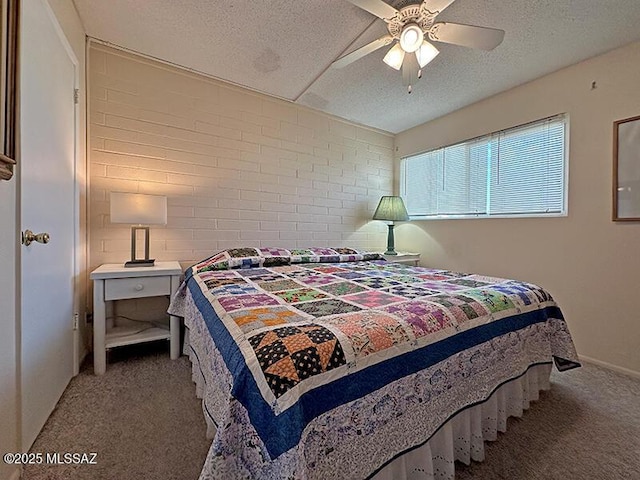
327 362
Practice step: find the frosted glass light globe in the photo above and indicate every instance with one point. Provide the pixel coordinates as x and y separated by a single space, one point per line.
411 38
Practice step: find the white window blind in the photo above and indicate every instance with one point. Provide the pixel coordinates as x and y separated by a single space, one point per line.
514 172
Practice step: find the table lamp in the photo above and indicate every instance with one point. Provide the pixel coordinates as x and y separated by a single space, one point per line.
391 209
138 210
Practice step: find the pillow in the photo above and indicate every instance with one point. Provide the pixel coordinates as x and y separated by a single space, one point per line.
249 257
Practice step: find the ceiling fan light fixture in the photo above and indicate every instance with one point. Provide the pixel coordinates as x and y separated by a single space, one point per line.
394 57
426 53
411 38
411 24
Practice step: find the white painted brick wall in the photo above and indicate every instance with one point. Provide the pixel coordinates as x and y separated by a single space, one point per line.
239 168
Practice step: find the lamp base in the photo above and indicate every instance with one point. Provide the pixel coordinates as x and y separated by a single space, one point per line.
140 263
390 247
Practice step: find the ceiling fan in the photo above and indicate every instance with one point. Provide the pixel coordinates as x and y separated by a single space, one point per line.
410 26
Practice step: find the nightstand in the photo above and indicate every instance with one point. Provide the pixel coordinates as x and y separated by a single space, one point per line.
404 257
115 282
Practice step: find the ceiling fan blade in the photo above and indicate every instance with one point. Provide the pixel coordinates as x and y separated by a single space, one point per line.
466 35
362 51
436 6
376 7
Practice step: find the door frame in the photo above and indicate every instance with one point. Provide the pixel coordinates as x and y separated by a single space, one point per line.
78 347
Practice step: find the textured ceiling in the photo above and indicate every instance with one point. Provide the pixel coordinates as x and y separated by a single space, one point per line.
284 48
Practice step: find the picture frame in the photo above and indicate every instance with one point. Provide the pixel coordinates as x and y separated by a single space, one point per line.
9 35
626 170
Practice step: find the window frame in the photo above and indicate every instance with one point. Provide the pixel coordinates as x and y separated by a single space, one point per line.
564 117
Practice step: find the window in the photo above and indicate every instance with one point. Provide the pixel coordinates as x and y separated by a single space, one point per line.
516 172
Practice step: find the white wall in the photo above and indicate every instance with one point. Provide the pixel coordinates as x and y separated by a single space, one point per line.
9 250
589 263
239 168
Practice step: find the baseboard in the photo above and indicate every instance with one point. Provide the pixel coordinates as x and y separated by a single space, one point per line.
609 366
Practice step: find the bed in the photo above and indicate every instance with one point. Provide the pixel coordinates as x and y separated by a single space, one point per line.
318 363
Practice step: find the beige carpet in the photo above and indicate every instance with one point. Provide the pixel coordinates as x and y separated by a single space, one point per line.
587 427
141 417
144 421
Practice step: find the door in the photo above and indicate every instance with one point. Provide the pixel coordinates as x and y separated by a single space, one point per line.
47 192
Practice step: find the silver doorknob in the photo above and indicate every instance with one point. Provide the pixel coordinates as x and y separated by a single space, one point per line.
28 237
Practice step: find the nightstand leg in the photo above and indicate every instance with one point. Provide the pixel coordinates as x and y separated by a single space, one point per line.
174 325
99 329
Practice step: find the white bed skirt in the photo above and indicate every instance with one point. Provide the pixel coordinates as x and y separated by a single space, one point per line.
461 438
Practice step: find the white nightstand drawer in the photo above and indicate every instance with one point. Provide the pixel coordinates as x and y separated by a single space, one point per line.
121 288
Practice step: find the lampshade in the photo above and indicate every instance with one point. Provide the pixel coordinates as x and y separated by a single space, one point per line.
391 208
394 57
138 208
426 53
